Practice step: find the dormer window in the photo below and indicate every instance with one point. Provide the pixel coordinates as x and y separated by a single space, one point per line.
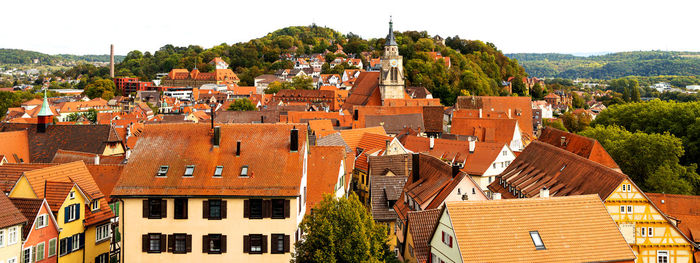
163 171
71 195
537 240
219 170
95 205
562 168
244 171
189 171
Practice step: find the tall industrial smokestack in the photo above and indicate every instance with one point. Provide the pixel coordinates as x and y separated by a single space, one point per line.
111 60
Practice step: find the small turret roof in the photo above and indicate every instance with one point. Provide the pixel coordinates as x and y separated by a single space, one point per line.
390 40
45 110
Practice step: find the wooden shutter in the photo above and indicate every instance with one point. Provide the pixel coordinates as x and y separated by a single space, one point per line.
171 243
266 208
163 208
286 243
205 209
163 240
82 240
223 243
246 244
223 208
144 243
205 244
188 243
450 241
77 211
66 210
264 244
184 208
145 208
246 208
286 208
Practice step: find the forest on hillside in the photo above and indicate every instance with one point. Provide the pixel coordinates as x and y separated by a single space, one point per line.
610 66
477 68
25 57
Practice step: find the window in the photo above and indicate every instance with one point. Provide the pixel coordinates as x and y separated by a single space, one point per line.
644 232
650 232
162 171
71 195
537 240
473 190
244 171
505 153
280 243
2 237
278 208
256 209
662 256
219 170
102 232
629 188
214 209
622 209
446 239
180 243
154 241
12 260
629 209
180 208
95 205
27 255
71 213
189 170
214 244
52 247
76 242
494 165
256 244
12 236
39 251
155 208
42 221
102 258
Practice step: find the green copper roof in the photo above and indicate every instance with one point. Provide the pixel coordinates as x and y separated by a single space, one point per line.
45 110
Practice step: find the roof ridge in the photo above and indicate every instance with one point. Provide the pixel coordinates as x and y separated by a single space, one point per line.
576 156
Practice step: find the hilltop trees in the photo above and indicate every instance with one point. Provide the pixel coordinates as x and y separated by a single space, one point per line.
100 88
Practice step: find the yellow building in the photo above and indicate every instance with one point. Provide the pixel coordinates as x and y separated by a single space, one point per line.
235 193
541 166
79 207
11 222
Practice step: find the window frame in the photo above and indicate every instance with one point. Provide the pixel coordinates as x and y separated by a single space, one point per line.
256 238
27 258
180 237
153 203
95 205
211 206
180 208
650 231
189 171
2 238
212 238
40 248
42 221
219 171
277 244
151 239
535 236
72 215
658 256
252 215
54 251
277 206
102 236
12 236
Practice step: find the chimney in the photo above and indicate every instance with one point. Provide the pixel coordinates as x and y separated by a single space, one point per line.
509 114
544 192
111 61
238 148
455 170
472 146
415 168
97 159
216 139
563 141
432 143
294 140
262 119
481 113
496 196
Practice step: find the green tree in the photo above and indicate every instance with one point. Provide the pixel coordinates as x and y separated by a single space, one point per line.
577 101
243 104
576 122
100 88
342 230
554 123
302 82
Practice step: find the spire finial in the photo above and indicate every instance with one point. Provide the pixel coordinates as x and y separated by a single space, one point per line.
45 110
390 40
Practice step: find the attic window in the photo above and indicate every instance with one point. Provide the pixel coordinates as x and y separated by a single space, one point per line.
537 240
244 171
162 171
562 168
218 171
189 170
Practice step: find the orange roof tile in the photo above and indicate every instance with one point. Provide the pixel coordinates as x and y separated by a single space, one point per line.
15 146
106 177
582 146
70 172
10 215
56 193
352 137
519 108
321 125
10 173
323 169
486 130
421 225
685 209
364 91
475 163
99 216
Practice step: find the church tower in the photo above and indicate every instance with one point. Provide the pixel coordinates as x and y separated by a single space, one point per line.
391 84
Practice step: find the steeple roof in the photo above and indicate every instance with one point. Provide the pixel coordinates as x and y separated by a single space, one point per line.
390 40
45 110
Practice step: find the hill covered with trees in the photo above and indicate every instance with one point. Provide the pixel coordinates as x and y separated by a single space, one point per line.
610 66
477 68
25 57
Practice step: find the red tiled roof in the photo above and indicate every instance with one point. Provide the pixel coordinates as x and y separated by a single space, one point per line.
363 90
98 216
519 108
10 215
56 193
685 209
486 130
475 163
179 145
421 225
15 146
582 146
323 169
352 137
106 177
75 172
10 173
29 208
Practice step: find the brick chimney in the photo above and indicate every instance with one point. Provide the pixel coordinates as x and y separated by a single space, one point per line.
111 61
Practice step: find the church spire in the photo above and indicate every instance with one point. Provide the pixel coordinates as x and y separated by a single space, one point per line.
45 110
390 40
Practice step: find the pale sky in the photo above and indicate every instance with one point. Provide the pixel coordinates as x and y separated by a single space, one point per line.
563 26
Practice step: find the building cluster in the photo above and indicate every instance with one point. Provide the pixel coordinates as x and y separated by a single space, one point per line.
163 178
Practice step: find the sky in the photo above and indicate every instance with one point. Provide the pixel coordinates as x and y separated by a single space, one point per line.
564 26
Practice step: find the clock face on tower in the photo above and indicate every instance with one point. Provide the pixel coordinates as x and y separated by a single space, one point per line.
394 63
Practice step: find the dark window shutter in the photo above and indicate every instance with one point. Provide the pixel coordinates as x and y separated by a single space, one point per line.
266 209
163 208
69 241
66 210
163 240
171 243
184 208
188 242
145 208
223 209
286 243
223 243
246 208
205 244
144 243
286 208
264 244
205 209
82 240
77 211
246 243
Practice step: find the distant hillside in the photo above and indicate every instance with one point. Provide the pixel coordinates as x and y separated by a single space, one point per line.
25 57
610 66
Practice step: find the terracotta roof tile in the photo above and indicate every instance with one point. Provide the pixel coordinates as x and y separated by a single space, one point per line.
10 173
399 165
582 146
421 225
106 177
393 124
520 108
15 146
321 125
99 216
684 208
56 193
486 130
566 237
352 137
179 145
382 189
75 172
10 215
363 90
475 163
29 208
323 169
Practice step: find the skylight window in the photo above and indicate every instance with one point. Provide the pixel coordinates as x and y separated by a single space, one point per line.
537 240
163 171
244 171
218 171
189 170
